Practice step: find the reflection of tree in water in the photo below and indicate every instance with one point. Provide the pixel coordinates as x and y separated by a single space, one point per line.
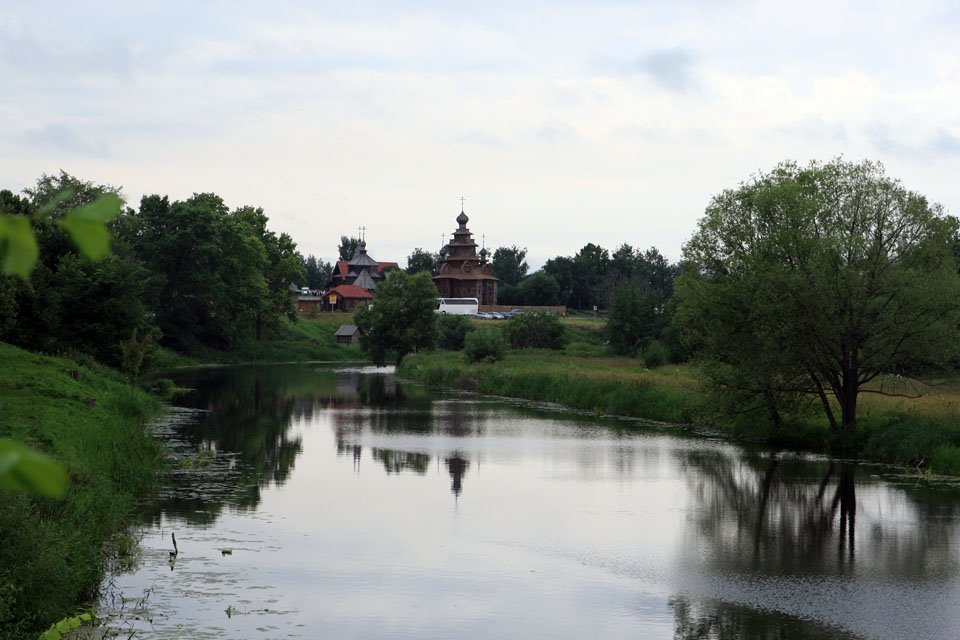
396 461
756 513
716 620
250 411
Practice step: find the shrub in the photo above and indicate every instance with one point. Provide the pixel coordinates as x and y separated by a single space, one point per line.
452 330
655 355
485 344
536 331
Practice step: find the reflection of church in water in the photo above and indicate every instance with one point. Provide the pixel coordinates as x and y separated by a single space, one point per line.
372 409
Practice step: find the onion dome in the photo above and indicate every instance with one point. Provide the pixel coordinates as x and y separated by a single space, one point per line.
483 255
462 219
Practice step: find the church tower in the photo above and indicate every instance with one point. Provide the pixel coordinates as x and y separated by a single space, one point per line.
462 272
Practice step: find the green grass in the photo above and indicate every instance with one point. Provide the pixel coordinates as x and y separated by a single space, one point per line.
51 550
618 386
307 339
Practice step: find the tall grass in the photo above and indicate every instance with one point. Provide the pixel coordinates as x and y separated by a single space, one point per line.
606 385
51 550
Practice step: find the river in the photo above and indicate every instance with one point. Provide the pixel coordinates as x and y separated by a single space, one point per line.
314 502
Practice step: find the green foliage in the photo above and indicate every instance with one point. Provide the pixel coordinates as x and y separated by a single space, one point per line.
508 294
133 350
627 324
484 344
536 331
216 278
347 247
50 558
86 225
655 355
509 265
420 260
402 319
18 246
60 629
318 272
581 383
23 469
452 330
815 280
540 289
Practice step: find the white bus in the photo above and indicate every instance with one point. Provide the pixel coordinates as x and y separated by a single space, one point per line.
458 306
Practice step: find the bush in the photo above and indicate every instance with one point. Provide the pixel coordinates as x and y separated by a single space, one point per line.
452 330
485 344
536 331
655 355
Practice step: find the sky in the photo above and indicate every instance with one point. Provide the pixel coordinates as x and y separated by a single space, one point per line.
559 123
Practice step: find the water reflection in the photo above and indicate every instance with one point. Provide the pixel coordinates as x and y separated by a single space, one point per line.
718 620
756 512
577 527
398 461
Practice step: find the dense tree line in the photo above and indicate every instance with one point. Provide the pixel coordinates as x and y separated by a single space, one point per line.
188 273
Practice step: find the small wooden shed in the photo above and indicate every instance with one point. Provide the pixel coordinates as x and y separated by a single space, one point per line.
349 334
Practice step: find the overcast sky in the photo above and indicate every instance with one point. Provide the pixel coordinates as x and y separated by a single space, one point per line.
561 123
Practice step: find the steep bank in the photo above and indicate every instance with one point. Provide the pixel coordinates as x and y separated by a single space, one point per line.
921 432
93 424
306 340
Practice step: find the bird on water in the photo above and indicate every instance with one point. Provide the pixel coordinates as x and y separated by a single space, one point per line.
175 552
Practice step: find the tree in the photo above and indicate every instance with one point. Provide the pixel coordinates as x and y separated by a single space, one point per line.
563 271
591 266
536 331
452 330
318 272
816 280
403 317
625 327
540 289
420 260
348 245
282 266
509 264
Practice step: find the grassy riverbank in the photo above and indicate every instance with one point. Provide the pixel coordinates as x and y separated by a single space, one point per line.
306 340
51 551
618 386
891 429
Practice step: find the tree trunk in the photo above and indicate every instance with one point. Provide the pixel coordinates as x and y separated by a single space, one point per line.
848 404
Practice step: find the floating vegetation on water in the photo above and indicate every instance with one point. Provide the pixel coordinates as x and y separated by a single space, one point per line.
203 458
233 611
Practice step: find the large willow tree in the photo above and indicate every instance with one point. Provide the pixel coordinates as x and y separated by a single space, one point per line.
817 280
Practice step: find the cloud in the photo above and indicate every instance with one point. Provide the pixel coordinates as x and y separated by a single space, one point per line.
60 138
554 133
669 68
938 144
814 129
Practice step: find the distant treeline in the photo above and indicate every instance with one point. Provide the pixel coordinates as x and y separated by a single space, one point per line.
185 274
635 286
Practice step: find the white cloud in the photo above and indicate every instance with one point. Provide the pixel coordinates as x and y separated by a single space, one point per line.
606 123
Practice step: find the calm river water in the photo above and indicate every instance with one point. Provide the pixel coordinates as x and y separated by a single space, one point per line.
310 502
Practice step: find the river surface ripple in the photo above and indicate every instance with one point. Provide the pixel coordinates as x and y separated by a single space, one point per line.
340 503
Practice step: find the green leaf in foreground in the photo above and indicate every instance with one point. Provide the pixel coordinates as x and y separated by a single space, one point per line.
23 469
87 225
18 246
